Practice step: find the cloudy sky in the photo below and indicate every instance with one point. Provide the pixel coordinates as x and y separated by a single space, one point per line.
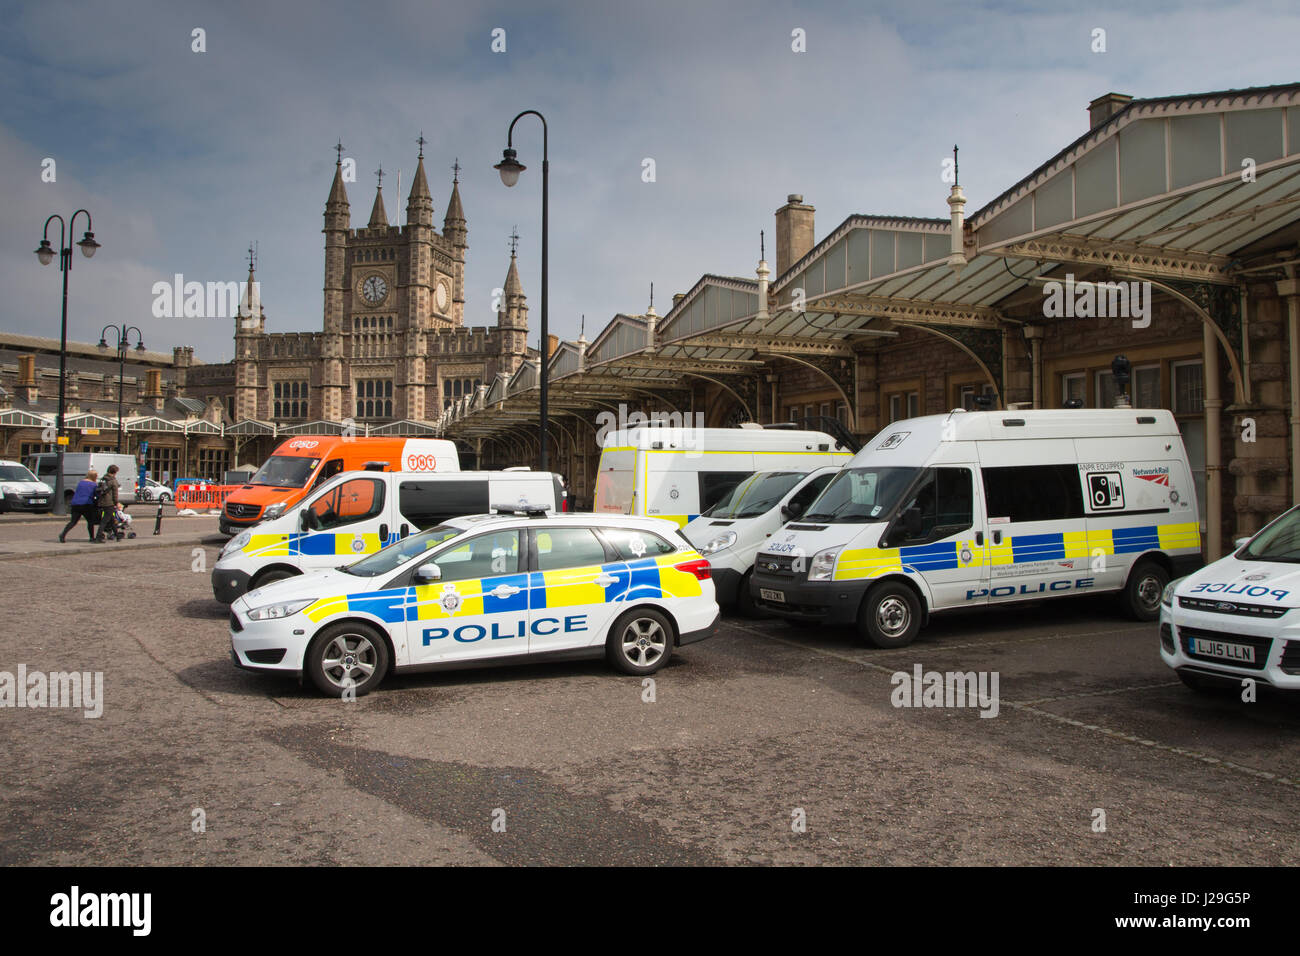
183 158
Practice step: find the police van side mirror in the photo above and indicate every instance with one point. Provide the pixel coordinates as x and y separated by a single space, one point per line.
304 520
912 521
427 574
1241 543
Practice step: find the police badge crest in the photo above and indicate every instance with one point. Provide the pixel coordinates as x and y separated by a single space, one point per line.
450 600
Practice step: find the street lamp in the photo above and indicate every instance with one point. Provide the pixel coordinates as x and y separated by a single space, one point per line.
510 168
1120 368
123 342
45 254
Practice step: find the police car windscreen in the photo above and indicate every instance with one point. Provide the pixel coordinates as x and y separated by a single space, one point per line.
15 473
381 562
861 494
285 471
1278 542
756 495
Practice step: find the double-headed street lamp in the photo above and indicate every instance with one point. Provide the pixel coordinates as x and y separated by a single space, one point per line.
123 342
510 168
46 255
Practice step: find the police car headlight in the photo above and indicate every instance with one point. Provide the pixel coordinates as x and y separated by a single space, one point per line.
269 612
823 563
724 540
237 543
1167 596
273 511
9 489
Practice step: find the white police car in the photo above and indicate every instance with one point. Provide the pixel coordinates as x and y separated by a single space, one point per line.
484 588
1237 618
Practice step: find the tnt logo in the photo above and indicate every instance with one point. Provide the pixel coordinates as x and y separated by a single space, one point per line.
1105 491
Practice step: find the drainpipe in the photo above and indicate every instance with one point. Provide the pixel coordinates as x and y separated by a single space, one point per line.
772 379
1034 333
1290 289
1213 447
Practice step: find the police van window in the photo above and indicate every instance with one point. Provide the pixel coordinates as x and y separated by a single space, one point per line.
481 557
356 500
715 485
426 503
1033 492
567 548
808 493
944 505
633 543
332 468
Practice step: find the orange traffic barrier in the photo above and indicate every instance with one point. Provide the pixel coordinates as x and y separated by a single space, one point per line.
202 495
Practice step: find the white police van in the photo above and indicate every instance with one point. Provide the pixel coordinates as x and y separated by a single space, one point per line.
679 473
1233 620
972 509
497 588
358 512
730 533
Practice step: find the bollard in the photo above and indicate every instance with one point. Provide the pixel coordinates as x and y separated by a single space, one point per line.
157 520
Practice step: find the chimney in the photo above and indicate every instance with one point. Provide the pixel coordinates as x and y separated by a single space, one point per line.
26 384
677 297
1104 107
794 232
552 343
153 393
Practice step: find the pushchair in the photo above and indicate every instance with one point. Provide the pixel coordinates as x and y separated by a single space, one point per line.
114 527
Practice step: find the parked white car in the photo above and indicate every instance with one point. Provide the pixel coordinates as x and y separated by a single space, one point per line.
21 491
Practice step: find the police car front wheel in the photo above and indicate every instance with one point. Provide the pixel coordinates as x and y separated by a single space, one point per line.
640 642
347 658
890 616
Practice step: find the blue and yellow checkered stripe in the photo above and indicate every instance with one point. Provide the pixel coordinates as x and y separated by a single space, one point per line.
859 563
571 587
321 544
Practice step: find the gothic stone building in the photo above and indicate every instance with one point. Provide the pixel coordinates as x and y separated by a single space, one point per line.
394 344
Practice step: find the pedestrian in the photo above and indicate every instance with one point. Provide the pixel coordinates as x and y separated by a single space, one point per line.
83 505
106 500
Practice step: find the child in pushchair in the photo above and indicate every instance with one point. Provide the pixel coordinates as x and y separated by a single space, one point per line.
118 525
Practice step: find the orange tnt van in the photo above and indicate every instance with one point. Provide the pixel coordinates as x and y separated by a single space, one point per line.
307 461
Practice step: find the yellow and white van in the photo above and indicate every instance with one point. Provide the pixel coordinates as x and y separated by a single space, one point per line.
981 508
678 473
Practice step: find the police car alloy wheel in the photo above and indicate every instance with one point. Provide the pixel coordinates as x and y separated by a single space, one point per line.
1146 583
640 642
891 616
347 656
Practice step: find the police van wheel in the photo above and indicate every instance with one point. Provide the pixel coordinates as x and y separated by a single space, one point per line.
890 616
640 642
1146 582
270 577
346 656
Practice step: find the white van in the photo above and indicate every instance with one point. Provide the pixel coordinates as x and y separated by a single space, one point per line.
679 473
358 512
21 491
980 508
730 533
77 463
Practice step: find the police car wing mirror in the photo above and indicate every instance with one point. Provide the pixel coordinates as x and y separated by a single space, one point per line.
428 573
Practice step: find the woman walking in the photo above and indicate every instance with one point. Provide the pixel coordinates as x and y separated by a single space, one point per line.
83 504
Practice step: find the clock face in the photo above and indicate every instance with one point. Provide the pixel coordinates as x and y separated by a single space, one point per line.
374 289
440 296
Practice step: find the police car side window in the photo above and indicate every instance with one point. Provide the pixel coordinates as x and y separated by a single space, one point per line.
1033 492
481 557
633 543
567 548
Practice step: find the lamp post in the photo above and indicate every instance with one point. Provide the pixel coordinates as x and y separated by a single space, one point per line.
45 254
123 342
1120 368
510 168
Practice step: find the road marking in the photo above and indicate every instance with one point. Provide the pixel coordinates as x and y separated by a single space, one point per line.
1029 708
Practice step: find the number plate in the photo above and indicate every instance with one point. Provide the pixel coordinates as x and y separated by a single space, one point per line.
1238 653
767 594
36 501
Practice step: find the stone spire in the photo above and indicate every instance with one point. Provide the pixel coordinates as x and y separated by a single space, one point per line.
378 215
453 224
419 205
337 204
